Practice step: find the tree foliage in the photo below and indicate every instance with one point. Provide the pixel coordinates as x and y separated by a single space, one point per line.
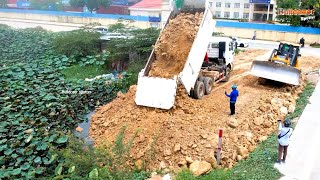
36 109
295 20
77 43
141 43
46 4
92 5
3 3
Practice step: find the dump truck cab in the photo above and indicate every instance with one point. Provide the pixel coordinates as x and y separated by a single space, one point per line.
221 50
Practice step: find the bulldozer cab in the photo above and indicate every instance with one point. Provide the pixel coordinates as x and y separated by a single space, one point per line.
287 53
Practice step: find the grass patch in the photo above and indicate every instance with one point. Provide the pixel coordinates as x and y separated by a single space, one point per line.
77 72
259 164
316 46
237 51
302 101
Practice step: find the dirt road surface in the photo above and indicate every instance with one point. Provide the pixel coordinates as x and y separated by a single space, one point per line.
166 138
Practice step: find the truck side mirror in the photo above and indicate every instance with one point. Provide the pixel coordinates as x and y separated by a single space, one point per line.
299 55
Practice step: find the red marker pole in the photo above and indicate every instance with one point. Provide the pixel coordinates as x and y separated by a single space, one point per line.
219 146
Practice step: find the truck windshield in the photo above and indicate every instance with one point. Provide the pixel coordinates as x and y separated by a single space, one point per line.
213 45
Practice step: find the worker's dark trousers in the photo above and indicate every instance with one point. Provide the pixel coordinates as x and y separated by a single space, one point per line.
232 108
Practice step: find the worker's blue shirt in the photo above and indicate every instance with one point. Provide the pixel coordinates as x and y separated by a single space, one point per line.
233 96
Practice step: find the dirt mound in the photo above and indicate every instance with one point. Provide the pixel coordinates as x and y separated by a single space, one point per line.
169 139
174 45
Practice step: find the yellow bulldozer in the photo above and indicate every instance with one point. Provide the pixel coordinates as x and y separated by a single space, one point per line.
282 65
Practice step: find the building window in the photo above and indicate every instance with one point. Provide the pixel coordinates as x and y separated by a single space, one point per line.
210 4
236 15
218 14
218 4
228 5
226 14
236 5
245 15
246 5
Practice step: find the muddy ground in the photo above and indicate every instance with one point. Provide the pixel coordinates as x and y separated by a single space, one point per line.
166 139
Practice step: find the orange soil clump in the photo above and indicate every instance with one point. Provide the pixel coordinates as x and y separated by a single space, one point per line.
166 138
174 45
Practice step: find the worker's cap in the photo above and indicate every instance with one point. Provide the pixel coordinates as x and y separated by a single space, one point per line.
287 123
234 86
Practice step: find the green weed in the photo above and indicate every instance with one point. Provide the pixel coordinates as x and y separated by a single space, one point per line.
77 72
302 101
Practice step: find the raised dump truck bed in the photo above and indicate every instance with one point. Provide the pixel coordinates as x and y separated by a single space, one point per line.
160 92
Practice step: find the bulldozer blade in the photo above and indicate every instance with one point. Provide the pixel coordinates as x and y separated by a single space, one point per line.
275 71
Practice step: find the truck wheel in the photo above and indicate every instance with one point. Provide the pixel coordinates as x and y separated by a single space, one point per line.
227 75
201 78
208 85
199 90
191 93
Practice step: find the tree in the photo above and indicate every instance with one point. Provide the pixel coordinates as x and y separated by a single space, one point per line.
3 3
290 19
314 5
92 5
46 4
295 20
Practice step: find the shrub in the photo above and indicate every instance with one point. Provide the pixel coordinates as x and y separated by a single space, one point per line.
107 162
243 20
77 43
315 44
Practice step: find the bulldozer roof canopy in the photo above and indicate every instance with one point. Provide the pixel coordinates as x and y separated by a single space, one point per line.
289 43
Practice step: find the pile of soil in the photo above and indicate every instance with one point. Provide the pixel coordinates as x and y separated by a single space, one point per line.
174 45
165 139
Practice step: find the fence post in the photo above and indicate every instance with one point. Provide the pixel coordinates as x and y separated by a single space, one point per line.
219 146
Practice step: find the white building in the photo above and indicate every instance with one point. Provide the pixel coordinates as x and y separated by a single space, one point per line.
149 8
243 9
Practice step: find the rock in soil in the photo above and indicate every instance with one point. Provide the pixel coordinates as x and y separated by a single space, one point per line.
232 123
79 129
139 164
200 167
242 151
177 147
283 111
189 160
291 108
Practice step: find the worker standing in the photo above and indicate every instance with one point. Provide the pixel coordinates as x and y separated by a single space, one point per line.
302 42
285 131
233 99
254 35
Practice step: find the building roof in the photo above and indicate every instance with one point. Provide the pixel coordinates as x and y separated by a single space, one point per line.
147 5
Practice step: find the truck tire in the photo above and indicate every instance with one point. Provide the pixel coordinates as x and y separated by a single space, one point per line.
191 93
199 90
208 83
201 78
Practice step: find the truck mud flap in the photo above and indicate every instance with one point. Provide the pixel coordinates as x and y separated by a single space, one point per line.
275 71
156 92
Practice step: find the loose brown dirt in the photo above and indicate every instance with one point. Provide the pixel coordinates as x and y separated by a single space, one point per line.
166 138
174 45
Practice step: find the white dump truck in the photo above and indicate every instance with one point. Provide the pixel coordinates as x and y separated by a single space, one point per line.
198 75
